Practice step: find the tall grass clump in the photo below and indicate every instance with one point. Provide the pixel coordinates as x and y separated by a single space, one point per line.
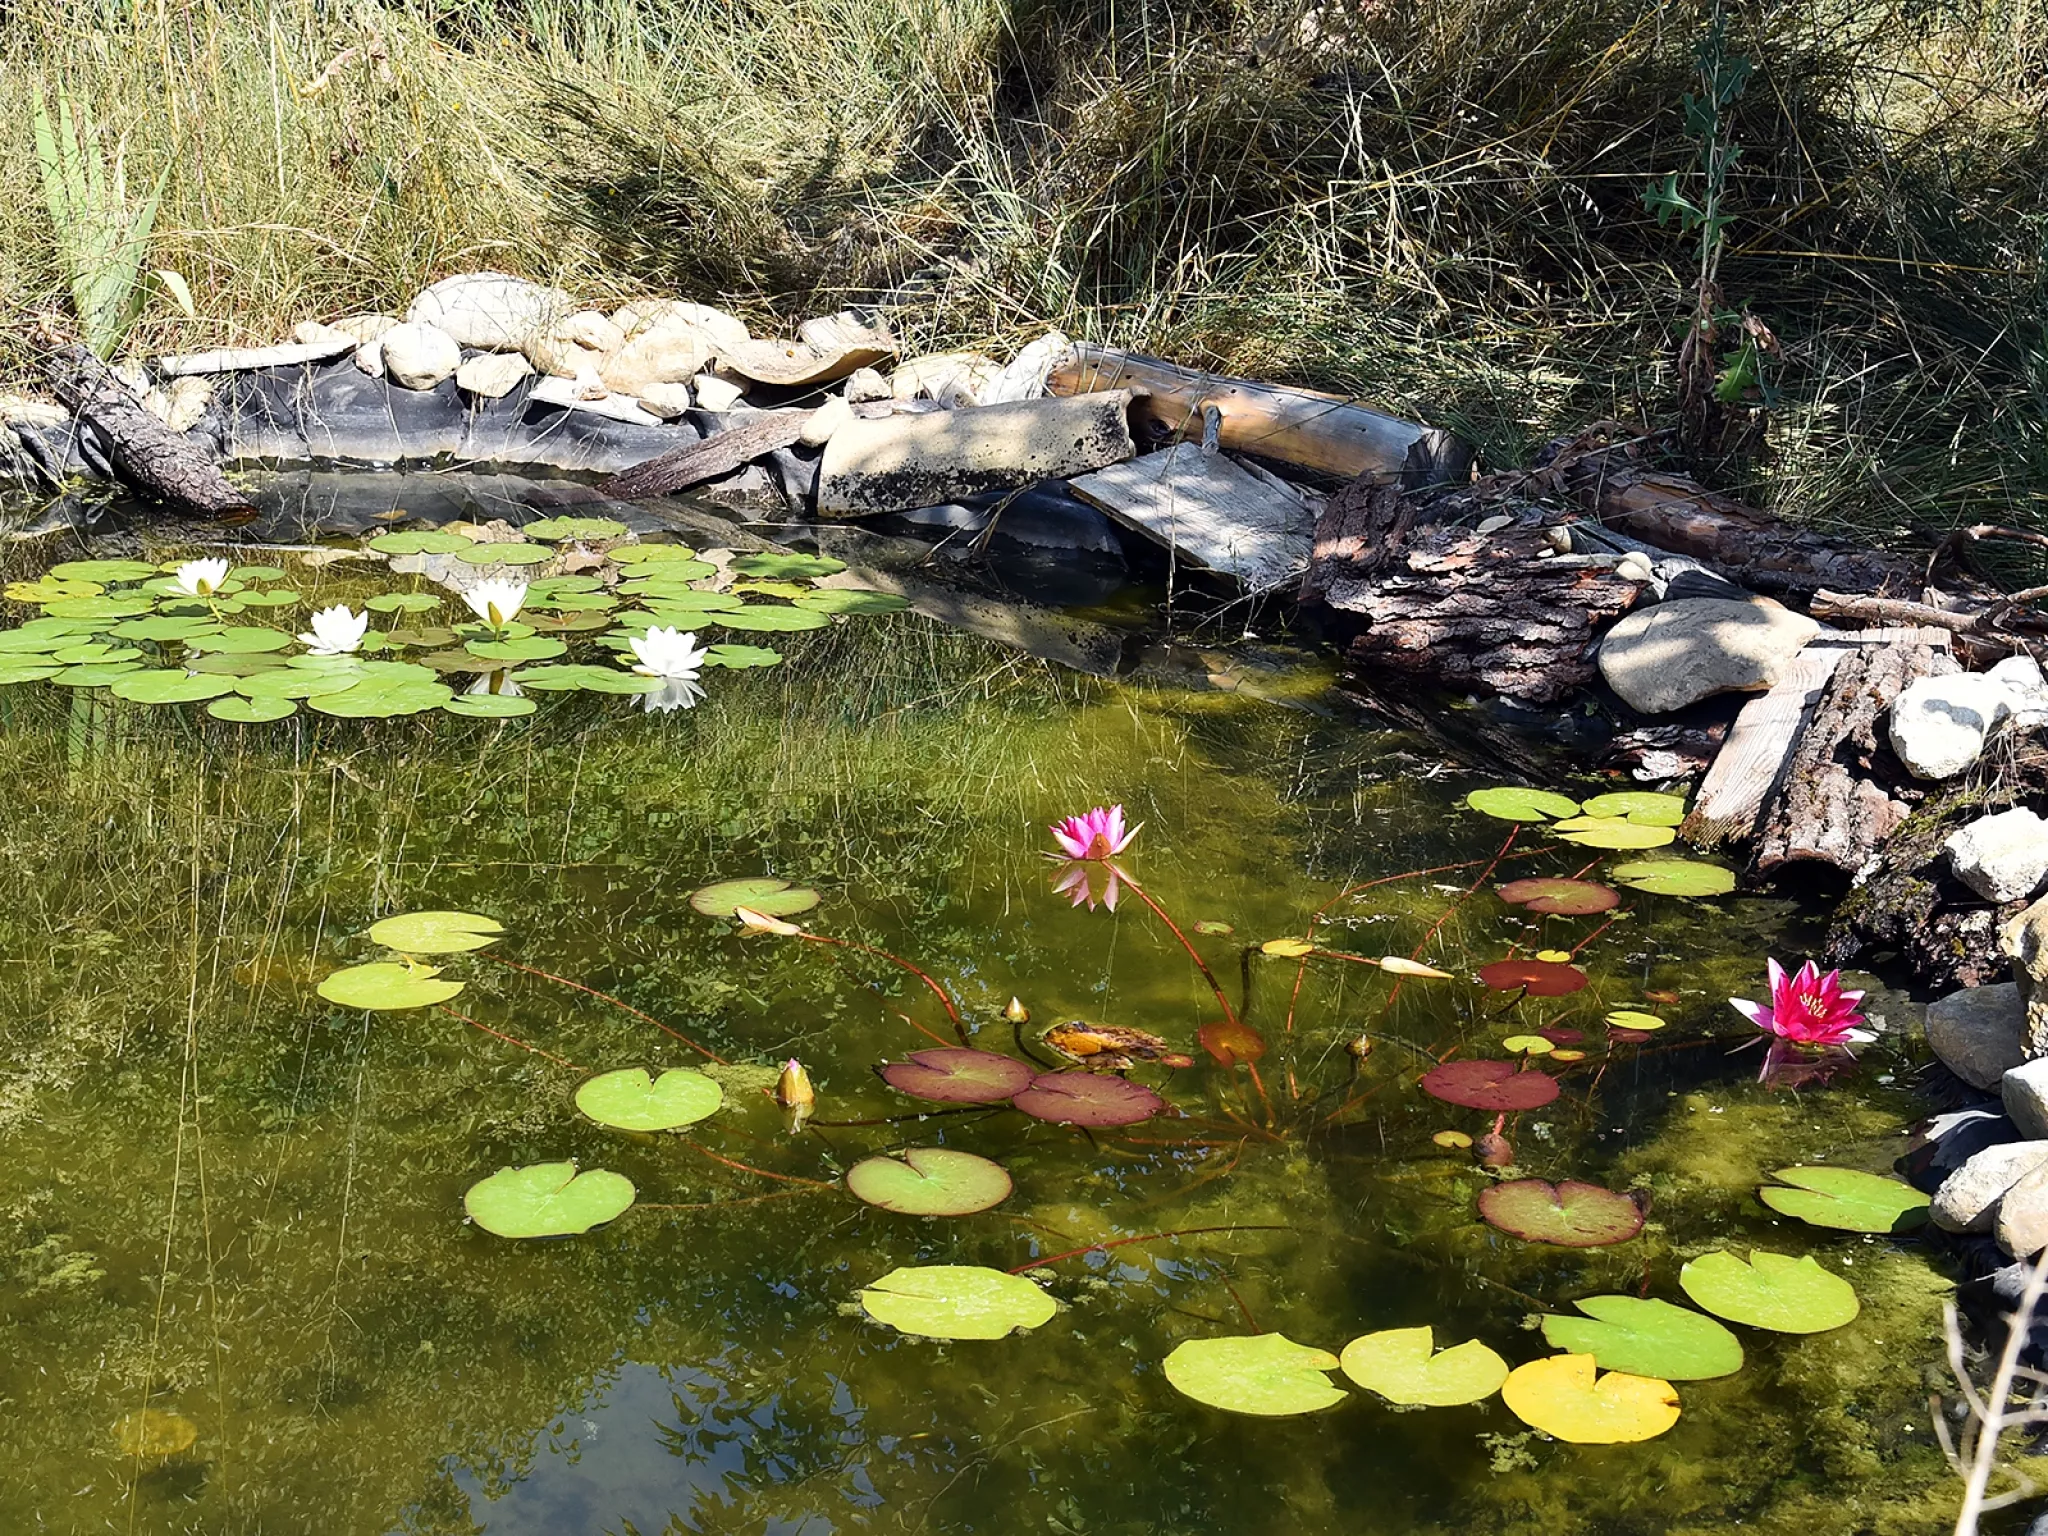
1439 209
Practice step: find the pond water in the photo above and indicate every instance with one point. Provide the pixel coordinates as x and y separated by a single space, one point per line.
225 1199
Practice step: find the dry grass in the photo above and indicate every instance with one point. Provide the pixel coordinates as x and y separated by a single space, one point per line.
1437 208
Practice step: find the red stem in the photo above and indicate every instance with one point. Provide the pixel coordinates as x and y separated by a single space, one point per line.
784 1178
1149 1237
945 998
509 1040
1464 896
1229 1013
534 970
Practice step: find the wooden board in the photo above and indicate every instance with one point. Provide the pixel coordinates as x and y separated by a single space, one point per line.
1732 795
1210 511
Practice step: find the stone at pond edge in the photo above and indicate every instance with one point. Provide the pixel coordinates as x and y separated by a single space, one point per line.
1677 653
1976 1033
419 356
489 309
492 375
2025 940
2024 1089
1967 1200
2022 1227
1938 724
2003 857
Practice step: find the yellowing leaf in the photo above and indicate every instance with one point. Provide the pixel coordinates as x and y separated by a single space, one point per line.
1630 1018
1398 1365
1565 1396
1558 956
1401 967
1455 1140
1287 949
761 922
174 285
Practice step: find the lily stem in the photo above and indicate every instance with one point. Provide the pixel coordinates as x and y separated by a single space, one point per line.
1229 1013
534 970
945 998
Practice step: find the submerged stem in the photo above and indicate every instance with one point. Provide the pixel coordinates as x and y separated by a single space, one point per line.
1230 1014
945 998
509 1039
534 970
1149 1237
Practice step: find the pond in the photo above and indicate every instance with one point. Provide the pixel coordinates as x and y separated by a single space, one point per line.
238 1208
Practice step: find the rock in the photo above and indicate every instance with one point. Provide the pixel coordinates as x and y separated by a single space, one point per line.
1968 1198
824 421
1023 377
1976 1032
1633 566
27 411
666 400
2003 857
2025 940
1939 724
369 357
188 400
1687 649
566 392
588 328
720 328
864 385
490 310
492 375
2024 1091
557 356
364 327
315 331
953 379
247 359
2022 1225
794 363
714 393
2025 687
662 354
418 355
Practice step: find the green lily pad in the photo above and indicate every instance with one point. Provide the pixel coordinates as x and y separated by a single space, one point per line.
1639 805
548 1200
930 1181
1773 1291
241 640
759 893
1845 1199
95 674
431 638
772 588
569 603
504 554
297 682
103 570
630 1100
436 933
552 529
19 642
241 711
852 600
49 590
1568 1214
741 656
402 602
99 607
686 600
382 699
1633 1018
1266 1374
489 706
13 672
787 566
956 1301
581 621
758 616
161 627
75 655
569 676
651 554
1611 832
274 597
260 572
223 664
1675 877
170 687
554 586
1647 1338
669 576
1510 802
386 984
1397 1364
532 648
426 541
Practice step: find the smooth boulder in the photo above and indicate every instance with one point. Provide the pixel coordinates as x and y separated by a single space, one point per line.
1977 1033
672 353
1968 1198
2003 857
490 310
2022 1226
1939 725
2024 1091
2025 941
1663 658
492 375
419 356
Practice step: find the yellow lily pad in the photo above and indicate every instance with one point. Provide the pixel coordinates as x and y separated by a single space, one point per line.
1565 1396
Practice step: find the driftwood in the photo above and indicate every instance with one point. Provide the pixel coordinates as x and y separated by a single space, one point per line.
172 467
1210 511
707 459
1303 427
1753 762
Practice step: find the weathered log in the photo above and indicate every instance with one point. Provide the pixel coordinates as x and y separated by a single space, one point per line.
1304 427
1753 762
1448 605
172 467
707 459
1840 795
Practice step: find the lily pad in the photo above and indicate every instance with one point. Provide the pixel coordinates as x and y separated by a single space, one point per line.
112 607
241 711
1566 1397
164 626
547 1200
532 648
274 597
73 655
423 542
1634 1019
383 699
757 893
630 1100
1538 978
240 640
740 656
1398 1365
489 706
552 529
1567 1214
1773 1291
1529 1045
1645 807
1612 832
296 682
1510 802
170 687
504 554
1647 1337
1088 1099
651 554
1231 1041
930 1181
852 600
1560 898
685 599
436 933
956 1301
1846 1200
48 589
1675 877
95 674
402 602
762 617
1288 948
1266 1374
385 985
112 571
20 642
1494 1086
152 1432
957 1075
24 671
786 566
567 676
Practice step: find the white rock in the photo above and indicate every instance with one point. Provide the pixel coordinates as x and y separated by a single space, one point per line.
828 418
188 399
558 356
864 385
722 329
1976 1032
1023 377
1938 724
2026 688
27 411
1633 566
567 393
492 375
490 310
670 353
714 393
1968 1198
370 357
954 379
418 355
315 331
2024 1089
2003 857
667 401
364 327
588 328
1679 652
2023 1216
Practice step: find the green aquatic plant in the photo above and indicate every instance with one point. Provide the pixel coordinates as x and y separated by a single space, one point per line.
957 1301
1404 1366
1772 1291
548 1200
930 1181
1267 1374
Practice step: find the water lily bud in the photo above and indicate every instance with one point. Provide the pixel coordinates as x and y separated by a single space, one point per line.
1360 1048
1017 1013
793 1089
1493 1150
761 922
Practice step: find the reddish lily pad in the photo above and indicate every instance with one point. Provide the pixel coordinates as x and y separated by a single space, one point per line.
930 1181
1561 898
955 1075
1559 1034
1088 1099
1567 1214
1497 1086
1231 1042
1538 978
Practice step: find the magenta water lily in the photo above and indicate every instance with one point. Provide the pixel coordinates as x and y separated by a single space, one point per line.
1097 834
1807 1009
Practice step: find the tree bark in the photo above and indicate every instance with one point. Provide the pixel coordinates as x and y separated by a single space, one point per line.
708 458
171 467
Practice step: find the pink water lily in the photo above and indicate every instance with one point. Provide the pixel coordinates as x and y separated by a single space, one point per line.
1808 1009
1099 834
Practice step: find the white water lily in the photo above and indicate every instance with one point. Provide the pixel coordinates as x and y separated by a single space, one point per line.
669 654
500 683
497 603
674 693
200 578
336 631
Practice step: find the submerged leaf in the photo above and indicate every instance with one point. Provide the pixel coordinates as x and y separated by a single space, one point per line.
1647 1337
956 1301
1567 1214
1231 1042
1773 1291
1266 1374
779 563
547 1200
436 933
957 1075
1287 949
930 1181
152 1432
1560 898
1846 1200
1539 978
1397 1363
1496 1086
1562 1397
630 1100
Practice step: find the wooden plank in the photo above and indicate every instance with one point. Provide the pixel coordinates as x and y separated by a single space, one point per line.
1731 796
1210 511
